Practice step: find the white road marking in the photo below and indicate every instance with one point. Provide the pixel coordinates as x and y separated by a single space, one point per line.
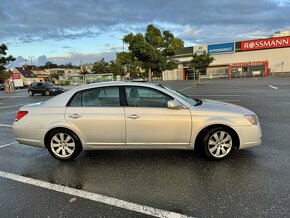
3 146
94 197
180 90
221 95
273 87
227 100
4 125
15 96
12 106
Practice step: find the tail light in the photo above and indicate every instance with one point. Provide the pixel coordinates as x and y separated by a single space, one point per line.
20 114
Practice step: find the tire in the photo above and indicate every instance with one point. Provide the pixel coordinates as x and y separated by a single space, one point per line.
218 143
47 93
30 93
63 144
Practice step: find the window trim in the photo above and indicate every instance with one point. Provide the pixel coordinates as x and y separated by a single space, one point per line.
81 92
126 99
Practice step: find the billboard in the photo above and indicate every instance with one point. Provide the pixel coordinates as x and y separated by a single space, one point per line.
258 44
221 48
199 49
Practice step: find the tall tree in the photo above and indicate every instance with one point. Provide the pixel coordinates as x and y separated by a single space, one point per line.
153 49
200 62
4 60
130 65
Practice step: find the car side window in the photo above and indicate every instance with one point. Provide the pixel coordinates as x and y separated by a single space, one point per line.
99 97
146 97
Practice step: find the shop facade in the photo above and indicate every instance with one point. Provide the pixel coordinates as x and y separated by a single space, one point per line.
251 58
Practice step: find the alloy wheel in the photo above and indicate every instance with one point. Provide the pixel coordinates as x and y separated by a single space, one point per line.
220 144
62 145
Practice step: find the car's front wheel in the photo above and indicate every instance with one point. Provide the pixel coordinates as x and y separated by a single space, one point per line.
47 93
63 144
218 143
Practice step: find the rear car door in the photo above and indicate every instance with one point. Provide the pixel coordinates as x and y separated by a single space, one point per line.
98 116
150 123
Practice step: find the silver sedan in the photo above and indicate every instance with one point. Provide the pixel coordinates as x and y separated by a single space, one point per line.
128 115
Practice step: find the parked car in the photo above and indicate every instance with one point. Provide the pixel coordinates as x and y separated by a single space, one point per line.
44 88
2 86
129 115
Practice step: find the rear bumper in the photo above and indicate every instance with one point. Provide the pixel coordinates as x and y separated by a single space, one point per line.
28 136
250 136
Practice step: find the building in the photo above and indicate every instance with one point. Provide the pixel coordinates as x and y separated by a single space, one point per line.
64 74
281 34
87 68
258 57
26 76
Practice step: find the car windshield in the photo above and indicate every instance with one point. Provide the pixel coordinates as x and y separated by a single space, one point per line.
48 84
180 95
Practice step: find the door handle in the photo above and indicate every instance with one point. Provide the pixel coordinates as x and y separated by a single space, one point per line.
133 116
74 116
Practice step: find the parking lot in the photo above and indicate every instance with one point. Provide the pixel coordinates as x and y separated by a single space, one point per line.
251 183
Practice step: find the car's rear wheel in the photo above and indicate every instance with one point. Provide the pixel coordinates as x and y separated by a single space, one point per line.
63 144
218 143
47 93
30 93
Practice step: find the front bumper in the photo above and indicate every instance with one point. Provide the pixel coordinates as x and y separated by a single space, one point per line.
250 136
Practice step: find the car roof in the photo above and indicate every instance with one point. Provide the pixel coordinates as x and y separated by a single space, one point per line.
62 99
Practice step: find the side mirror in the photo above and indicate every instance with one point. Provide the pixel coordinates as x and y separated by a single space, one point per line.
175 105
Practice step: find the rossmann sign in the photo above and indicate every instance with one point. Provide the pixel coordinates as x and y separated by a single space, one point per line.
279 42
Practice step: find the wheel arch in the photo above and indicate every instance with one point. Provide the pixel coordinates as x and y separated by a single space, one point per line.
203 132
46 142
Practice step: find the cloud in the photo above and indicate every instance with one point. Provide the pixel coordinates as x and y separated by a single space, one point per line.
74 19
196 22
77 58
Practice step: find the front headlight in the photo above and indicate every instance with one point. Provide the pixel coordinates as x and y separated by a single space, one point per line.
253 119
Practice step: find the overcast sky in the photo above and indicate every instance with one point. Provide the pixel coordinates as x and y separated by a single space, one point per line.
78 31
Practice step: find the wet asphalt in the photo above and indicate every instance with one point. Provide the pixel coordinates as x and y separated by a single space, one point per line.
251 183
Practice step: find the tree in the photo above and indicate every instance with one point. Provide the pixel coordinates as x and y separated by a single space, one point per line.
3 62
49 64
129 64
200 62
154 49
100 67
115 68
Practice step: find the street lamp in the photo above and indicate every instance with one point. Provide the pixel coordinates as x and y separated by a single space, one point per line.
31 61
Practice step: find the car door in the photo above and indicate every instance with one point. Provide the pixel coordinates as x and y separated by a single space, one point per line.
150 123
98 116
39 88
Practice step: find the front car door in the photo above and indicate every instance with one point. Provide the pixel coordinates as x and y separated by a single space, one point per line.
98 116
150 123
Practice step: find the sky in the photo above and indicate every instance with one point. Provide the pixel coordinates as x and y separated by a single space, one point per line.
85 31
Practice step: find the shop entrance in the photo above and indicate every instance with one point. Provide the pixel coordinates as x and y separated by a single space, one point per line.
248 69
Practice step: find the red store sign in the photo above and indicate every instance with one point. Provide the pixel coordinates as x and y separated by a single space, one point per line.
16 76
246 64
278 42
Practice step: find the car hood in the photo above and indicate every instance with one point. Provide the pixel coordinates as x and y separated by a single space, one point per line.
210 107
55 87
